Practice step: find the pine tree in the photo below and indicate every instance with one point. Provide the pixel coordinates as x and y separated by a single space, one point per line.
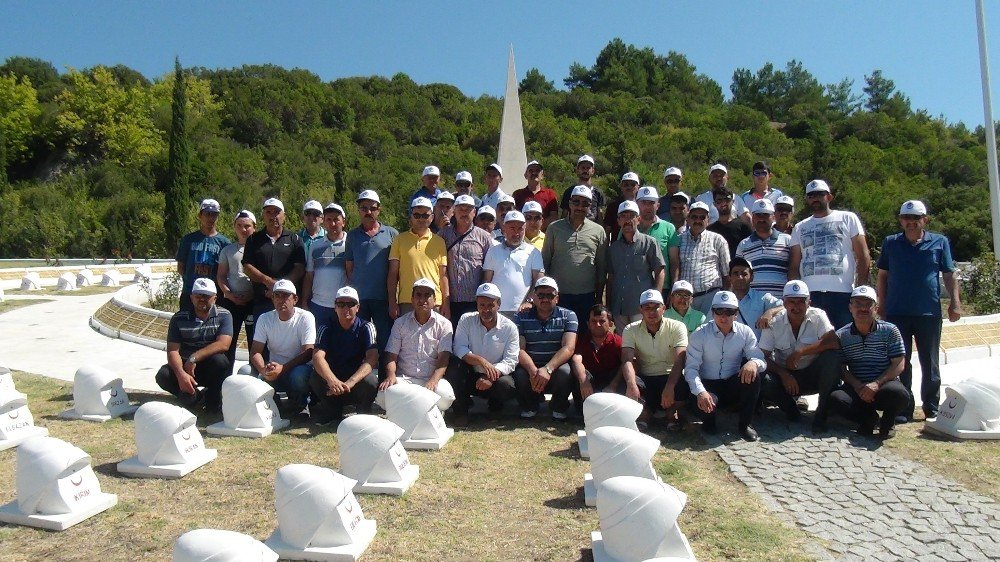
177 193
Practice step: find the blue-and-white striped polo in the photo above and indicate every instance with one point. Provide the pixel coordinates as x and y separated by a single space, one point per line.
867 357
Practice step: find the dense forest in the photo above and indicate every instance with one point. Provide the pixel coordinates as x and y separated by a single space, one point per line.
85 152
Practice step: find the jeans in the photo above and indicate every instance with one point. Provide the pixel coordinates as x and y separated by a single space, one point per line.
559 386
240 314
926 330
463 379
377 312
835 305
209 374
294 383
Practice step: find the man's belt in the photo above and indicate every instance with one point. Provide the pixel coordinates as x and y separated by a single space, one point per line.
706 291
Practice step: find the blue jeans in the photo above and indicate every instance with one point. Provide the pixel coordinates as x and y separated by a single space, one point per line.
377 312
294 383
926 330
581 305
323 315
835 305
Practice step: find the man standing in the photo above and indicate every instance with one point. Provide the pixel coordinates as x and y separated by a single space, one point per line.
732 229
546 198
635 265
428 185
718 176
672 179
783 211
344 362
513 265
547 340
417 254
443 210
627 190
197 342
486 218
597 359
235 286
756 308
198 251
574 253
463 186
761 189
585 170
678 211
486 349
288 333
766 249
723 366
312 230
664 232
419 347
467 245
533 233
326 271
492 176
680 309
910 269
270 254
704 258
829 252
505 206
366 258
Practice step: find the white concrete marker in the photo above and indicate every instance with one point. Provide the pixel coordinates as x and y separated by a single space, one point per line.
248 409
85 278
98 396
169 443
215 545
970 410
370 452
56 486
111 278
31 281
618 451
16 422
142 272
318 516
66 282
602 409
414 408
638 520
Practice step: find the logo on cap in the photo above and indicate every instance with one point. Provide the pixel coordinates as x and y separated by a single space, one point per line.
723 297
909 205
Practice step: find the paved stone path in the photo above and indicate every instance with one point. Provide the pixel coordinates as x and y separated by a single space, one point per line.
864 503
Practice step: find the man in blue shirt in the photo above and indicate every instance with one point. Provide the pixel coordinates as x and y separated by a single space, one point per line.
429 184
756 308
910 269
198 251
366 258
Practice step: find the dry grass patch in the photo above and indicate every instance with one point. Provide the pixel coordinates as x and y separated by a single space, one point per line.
507 491
81 292
8 305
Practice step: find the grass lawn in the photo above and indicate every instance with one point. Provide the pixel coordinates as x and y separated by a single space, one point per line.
9 305
507 491
81 292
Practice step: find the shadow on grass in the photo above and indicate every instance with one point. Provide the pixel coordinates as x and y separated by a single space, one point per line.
572 501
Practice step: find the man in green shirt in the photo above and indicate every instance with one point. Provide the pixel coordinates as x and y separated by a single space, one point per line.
680 308
664 232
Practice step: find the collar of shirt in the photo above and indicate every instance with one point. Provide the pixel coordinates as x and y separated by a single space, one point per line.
772 236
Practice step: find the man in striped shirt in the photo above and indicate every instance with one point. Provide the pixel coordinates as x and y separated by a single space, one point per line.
766 249
704 258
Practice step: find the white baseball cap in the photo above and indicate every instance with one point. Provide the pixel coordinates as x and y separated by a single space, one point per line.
627 206
431 171
488 290
913 207
795 288
370 195
725 299
284 286
425 282
582 191
687 198
650 295
532 207
274 202
445 195
335 207
496 167
347 293
463 176
647 193
718 167
505 198
700 205
465 200
762 207
312 205
513 216
785 200
532 163
866 292
547 282
585 158
673 171
487 210
682 285
245 214
630 176
817 185
210 205
203 286
421 202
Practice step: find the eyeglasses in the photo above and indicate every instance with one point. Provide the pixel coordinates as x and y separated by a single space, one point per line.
462 184
342 304
579 203
421 215
545 296
724 311
760 173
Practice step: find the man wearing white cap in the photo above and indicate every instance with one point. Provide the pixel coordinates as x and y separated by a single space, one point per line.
198 251
486 218
429 179
344 363
910 269
829 252
757 308
575 254
766 249
326 267
416 254
312 227
665 234
653 350
463 186
513 265
505 206
288 334
366 258
486 350
467 245
729 227
673 177
704 258
677 211
534 220
546 198
783 210
627 190
635 264
724 366
197 341
547 339
718 176
492 176
419 347
792 370
444 207
680 309
585 170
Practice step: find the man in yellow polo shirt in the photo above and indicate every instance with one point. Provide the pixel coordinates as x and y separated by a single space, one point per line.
417 254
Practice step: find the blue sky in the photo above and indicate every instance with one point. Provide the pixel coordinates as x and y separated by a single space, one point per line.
929 48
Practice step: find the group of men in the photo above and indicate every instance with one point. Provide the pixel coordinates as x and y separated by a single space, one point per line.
496 296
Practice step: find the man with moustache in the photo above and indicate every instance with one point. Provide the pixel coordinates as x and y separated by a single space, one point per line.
535 191
673 177
665 234
653 350
627 190
766 249
443 211
732 229
463 186
326 271
198 251
467 245
635 264
533 233
718 176
366 259
288 333
585 170
417 254
312 229
428 185
513 266
704 258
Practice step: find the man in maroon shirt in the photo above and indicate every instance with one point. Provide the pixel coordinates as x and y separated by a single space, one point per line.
596 362
535 191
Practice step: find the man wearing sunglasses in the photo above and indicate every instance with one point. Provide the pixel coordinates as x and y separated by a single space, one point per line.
312 224
718 176
585 170
784 210
463 186
547 341
534 233
761 189
417 254
723 366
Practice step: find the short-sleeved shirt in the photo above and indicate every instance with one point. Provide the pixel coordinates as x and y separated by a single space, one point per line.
692 320
275 259
512 272
193 333
498 345
543 339
733 231
601 362
465 261
708 198
238 281
307 240
666 235
493 199
867 357
704 260
419 257
417 345
575 257
655 352
545 197
421 192
538 240
370 258
828 261
780 339
346 349
284 338
914 284
598 202
772 195
325 260
200 255
753 305
769 258
633 267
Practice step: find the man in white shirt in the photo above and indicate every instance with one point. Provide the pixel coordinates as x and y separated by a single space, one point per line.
288 334
492 176
326 268
486 350
718 176
513 266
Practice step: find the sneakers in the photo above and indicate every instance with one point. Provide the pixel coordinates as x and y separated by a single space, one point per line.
558 416
749 434
528 414
802 404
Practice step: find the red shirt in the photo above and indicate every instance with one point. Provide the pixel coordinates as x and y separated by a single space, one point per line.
602 362
546 198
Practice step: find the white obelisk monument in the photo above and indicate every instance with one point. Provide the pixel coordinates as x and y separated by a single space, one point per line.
512 156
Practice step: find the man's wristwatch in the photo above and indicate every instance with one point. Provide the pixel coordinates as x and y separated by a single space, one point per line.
191 359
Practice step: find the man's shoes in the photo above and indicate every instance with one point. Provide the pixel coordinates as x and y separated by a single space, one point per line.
461 421
327 421
708 426
886 433
560 416
528 414
902 418
802 404
749 434
867 426
819 428
642 426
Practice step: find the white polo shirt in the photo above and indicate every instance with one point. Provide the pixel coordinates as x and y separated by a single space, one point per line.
780 338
